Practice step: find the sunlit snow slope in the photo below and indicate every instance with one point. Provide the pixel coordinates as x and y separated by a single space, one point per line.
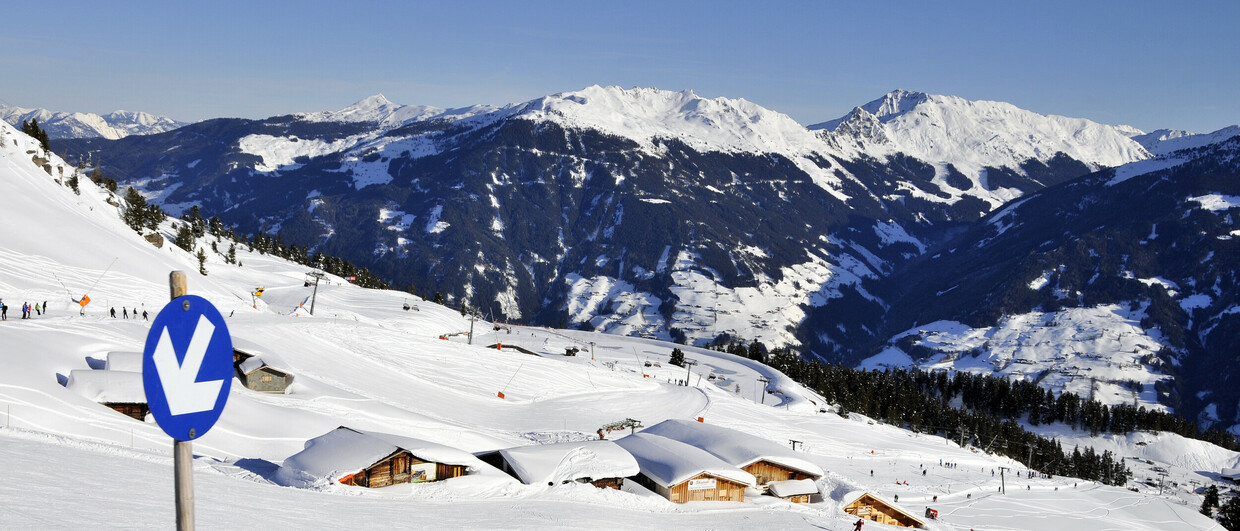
364 361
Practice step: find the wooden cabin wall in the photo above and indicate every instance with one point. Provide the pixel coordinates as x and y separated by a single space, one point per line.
135 410
766 472
609 483
725 490
445 471
879 512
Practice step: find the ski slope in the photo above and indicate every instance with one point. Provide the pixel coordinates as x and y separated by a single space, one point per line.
364 361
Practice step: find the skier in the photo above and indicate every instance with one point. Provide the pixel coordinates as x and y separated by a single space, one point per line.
144 316
113 313
45 306
857 526
4 311
923 471
125 312
37 310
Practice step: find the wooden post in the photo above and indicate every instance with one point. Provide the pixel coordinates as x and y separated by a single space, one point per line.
182 451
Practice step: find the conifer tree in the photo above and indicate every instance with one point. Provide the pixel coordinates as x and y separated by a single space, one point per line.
677 358
135 215
1229 514
202 263
185 238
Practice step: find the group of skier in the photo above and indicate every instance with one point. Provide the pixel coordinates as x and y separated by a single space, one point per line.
31 310
125 313
28 310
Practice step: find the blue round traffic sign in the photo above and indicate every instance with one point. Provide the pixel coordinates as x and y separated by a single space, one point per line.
187 367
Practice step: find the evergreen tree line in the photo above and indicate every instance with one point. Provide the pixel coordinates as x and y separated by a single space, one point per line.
904 399
982 409
1014 399
140 215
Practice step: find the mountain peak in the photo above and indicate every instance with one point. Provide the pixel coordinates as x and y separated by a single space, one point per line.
372 102
644 114
895 103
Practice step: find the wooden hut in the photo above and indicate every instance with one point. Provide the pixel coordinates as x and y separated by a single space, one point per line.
119 390
681 473
256 374
794 490
371 459
875 509
767 460
603 464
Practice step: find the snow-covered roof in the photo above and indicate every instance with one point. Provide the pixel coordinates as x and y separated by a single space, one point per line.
855 495
124 361
737 448
568 461
108 387
254 363
249 347
344 451
670 462
1231 473
793 487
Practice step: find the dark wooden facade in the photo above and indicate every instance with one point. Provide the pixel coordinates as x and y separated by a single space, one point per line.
137 410
399 468
765 472
724 489
876 510
608 483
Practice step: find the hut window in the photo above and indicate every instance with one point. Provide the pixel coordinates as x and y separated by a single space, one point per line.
266 378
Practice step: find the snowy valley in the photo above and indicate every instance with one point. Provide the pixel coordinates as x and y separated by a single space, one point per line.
389 362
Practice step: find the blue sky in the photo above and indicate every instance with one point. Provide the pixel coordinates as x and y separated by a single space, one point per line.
1146 64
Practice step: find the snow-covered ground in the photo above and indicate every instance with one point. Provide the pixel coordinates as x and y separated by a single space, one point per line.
1108 358
364 361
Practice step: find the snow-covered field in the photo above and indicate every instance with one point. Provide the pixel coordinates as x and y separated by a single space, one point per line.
1108 358
365 362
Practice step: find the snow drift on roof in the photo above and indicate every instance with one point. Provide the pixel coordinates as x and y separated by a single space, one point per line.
124 361
736 448
253 364
344 451
793 487
670 462
569 461
108 387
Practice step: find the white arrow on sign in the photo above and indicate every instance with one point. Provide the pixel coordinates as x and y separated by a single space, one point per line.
184 395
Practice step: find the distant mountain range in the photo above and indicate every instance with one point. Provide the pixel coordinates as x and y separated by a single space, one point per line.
114 125
660 213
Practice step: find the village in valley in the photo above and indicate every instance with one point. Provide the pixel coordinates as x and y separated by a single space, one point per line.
355 406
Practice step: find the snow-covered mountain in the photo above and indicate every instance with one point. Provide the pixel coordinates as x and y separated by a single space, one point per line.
634 211
1121 285
364 361
1164 141
113 125
979 139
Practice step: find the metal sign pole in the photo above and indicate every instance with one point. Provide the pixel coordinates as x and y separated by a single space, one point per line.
182 451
